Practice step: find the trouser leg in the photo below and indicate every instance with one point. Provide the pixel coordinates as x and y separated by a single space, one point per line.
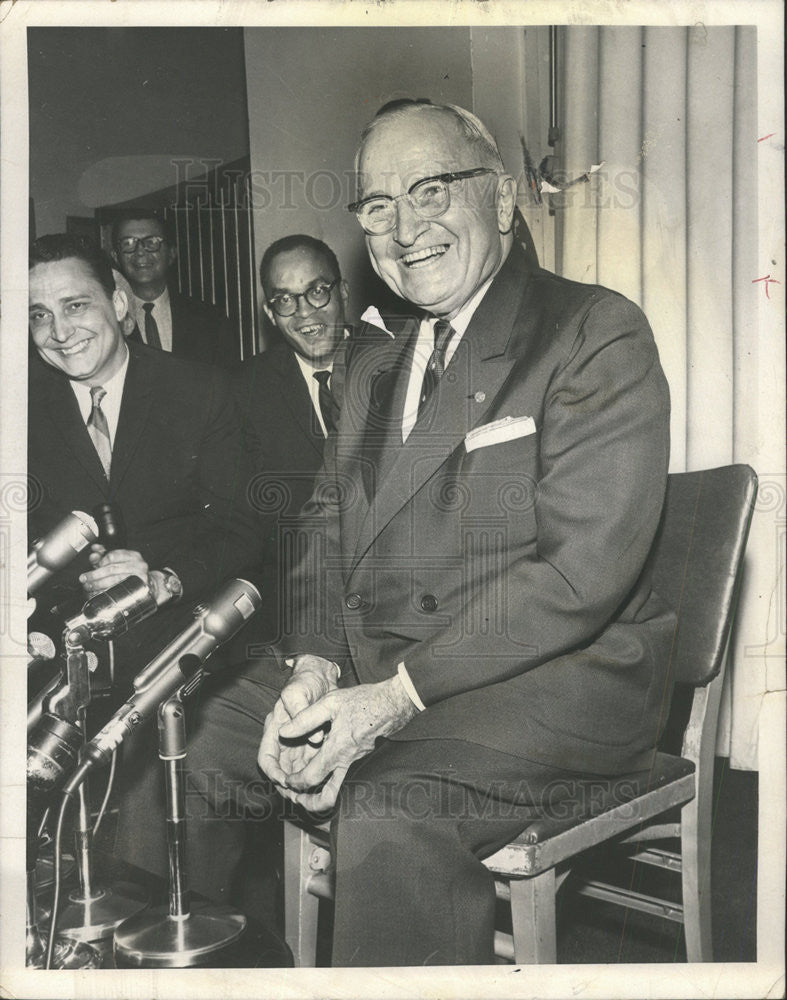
414 821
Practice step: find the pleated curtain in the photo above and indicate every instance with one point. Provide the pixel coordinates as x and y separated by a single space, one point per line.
663 122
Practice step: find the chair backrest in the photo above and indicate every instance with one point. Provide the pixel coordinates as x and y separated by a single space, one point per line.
696 562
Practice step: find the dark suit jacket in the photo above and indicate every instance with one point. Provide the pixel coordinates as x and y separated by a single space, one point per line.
177 475
200 332
504 570
283 443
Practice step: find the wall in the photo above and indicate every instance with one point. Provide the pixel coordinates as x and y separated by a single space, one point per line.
110 108
310 91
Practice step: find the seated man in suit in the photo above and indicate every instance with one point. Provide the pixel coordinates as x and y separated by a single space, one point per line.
143 250
482 628
115 421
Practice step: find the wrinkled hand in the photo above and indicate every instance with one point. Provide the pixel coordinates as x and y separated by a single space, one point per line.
312 678
357 716
114 567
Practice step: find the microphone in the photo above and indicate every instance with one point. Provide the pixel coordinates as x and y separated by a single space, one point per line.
177 663
114 611
40 649
111 529
58 547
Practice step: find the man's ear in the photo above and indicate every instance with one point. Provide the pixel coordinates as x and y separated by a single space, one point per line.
172 254
344 292
268 312
506 203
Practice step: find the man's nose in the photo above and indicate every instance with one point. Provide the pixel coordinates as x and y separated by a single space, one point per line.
409 224
62 328
304 306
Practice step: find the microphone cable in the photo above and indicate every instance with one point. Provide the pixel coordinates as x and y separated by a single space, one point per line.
50 948
110 782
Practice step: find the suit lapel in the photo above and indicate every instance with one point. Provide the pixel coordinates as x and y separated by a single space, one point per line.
296 398
67 424
470 385
138 394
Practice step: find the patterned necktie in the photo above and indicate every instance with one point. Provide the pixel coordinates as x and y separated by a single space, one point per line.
328 406
443 331
152 338
98 428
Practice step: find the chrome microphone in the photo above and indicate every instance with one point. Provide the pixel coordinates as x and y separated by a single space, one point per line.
40 649
58 547
114 611
213 624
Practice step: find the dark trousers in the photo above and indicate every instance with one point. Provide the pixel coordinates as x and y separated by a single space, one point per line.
413 822
415 819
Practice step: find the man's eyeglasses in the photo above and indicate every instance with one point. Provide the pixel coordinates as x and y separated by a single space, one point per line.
150 244
286 303
429 198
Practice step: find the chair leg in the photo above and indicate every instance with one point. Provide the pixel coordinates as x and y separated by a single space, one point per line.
533 919
300 907
696 877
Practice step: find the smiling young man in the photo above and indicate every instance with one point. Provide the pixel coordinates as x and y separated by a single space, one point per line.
114 421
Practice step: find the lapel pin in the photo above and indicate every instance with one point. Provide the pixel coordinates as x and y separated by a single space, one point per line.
480 396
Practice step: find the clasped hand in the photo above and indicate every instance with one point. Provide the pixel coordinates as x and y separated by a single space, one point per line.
316 730
110 568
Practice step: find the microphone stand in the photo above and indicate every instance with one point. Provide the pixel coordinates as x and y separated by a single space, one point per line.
182 934
52 753
93 911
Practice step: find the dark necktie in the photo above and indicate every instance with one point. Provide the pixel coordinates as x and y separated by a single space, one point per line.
98 428
328 406
443 331
152 338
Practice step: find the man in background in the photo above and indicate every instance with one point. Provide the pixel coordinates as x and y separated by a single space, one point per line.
143 250
288 411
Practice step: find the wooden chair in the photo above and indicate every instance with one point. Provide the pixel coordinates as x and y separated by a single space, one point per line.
696 562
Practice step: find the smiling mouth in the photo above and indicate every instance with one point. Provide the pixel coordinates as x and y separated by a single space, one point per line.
75 349
313 330
420 258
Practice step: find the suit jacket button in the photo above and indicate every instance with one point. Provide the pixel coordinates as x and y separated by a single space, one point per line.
428 603
353 601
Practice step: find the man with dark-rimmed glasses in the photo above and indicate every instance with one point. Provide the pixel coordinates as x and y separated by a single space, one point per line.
144 252
472 628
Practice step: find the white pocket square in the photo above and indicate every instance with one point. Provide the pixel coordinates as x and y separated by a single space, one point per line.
505 429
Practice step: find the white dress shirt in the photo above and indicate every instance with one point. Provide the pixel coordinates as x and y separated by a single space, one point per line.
110 404
424 346
307 370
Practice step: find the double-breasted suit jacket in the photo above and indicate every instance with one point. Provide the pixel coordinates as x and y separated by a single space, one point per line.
177 476
498 553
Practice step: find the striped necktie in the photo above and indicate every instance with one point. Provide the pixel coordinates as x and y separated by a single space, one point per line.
98 428
443 331
152 338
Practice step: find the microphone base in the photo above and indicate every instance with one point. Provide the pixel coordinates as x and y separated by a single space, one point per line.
45 869
156 940
68 953
96 918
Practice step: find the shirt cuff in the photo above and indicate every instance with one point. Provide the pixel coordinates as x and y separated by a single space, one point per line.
407 684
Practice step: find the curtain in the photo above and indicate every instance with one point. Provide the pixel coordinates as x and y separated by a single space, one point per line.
663 121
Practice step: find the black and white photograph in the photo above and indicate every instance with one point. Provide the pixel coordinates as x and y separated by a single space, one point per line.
396 443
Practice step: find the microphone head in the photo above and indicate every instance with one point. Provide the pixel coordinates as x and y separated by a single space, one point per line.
111 529
39 648
230 607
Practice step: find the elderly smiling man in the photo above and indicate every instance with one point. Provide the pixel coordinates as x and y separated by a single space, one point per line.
470 621
486 623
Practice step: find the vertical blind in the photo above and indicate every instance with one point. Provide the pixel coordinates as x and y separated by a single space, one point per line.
668 117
